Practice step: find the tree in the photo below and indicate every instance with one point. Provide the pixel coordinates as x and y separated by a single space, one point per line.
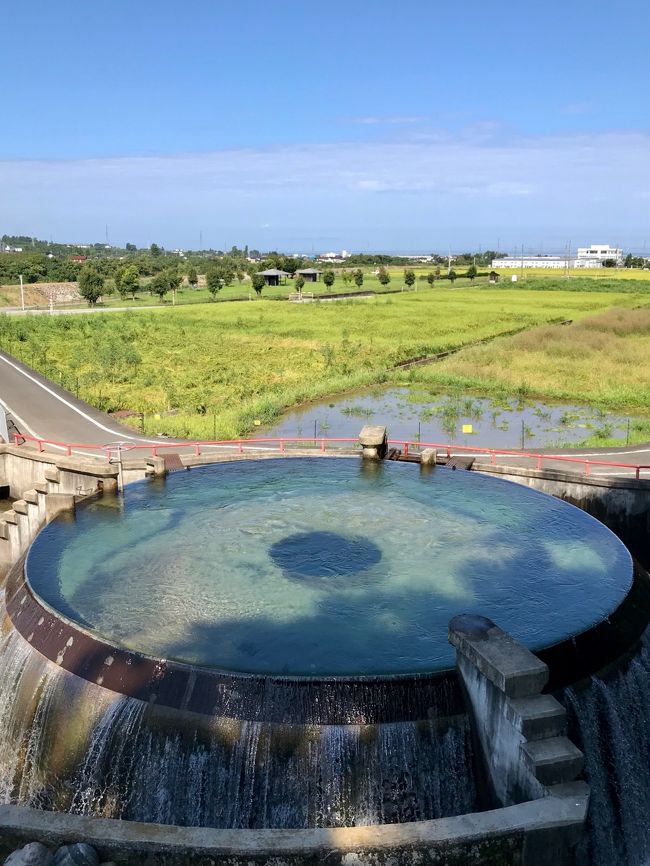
452 276
91 284
175 279
258 283
471 272
131 248
358 278
299 283
328 278
192 276
409 278
129 281
383 276
213 280
436 272
431 278
347 277
160 284
155 250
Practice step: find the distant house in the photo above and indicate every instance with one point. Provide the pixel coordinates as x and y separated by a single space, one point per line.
78 258
494 277
309 275
273 276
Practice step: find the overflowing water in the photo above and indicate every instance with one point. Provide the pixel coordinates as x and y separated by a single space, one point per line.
72 746
610 721
311 566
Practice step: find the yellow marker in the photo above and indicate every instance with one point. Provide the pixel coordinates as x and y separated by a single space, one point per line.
257 422
157 417
467 428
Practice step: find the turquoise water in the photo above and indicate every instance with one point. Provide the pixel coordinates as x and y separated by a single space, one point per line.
311 566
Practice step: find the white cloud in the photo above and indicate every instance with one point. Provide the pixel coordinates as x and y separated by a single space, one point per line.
592 181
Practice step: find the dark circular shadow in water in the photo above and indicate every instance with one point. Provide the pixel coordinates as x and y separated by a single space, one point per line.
318 555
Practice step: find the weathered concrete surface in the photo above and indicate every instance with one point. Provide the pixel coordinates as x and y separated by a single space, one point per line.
503 837
428 457
521 732
374 442
507 664
23 468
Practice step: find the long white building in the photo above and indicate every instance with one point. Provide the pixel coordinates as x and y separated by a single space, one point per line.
588 257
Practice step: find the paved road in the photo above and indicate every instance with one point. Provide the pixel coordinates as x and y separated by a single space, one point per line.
43 409
71 311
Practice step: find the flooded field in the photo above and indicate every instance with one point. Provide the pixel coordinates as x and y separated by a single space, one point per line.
413 414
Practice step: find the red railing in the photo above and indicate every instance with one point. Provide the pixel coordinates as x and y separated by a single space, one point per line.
322 443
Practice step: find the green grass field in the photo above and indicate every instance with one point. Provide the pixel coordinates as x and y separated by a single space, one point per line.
601 360
214 369
599 280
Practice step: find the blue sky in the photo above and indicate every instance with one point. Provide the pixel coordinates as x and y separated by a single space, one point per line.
365 124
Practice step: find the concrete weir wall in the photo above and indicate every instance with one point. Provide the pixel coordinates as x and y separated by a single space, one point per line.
521 731
539 833
43 485
529 763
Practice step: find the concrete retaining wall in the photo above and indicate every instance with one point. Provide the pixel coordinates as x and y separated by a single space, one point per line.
521 732
540 833
43 486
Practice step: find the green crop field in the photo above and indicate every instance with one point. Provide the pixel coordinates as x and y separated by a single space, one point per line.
215 369
600 360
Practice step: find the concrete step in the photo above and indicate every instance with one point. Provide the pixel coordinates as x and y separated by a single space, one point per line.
31 496
538 717
554 760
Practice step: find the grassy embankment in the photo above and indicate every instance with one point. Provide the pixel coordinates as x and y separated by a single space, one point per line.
216 368
601 360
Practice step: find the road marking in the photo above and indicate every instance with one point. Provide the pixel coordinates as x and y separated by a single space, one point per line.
74 408
15 415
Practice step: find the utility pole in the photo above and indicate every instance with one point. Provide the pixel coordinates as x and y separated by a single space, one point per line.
22 293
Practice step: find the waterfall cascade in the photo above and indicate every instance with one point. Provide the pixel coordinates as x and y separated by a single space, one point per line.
609 719
70 745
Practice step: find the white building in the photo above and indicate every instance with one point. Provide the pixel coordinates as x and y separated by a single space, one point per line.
334 257
600 253
557 262
588 257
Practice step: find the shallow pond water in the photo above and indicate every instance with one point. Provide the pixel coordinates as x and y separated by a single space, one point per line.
412 414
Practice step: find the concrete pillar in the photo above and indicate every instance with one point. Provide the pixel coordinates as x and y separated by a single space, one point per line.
521 731
374 442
